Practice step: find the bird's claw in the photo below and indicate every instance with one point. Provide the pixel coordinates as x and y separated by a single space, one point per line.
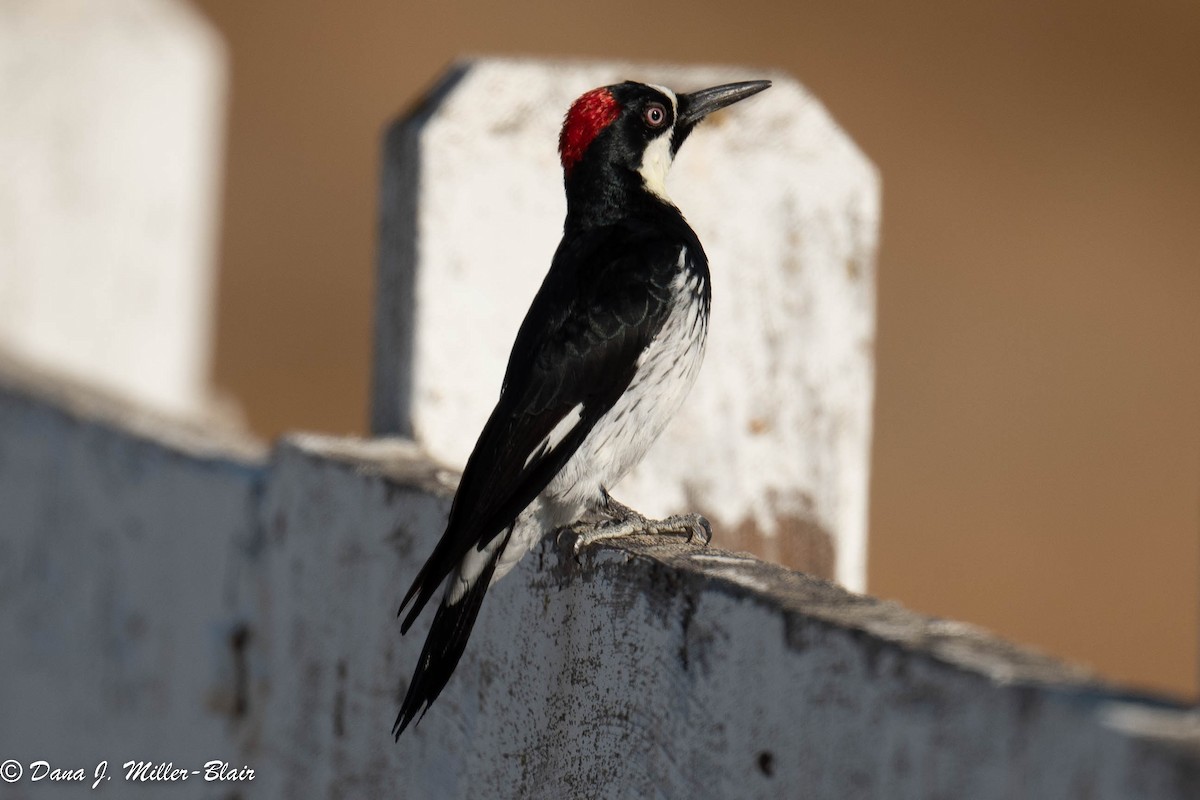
571 537
694 526
702 530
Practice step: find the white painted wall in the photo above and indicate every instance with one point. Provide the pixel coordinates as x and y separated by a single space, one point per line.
111 117
779 423
122 562
648 669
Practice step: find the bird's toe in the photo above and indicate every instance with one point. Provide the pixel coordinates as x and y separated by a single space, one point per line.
701 530
569 539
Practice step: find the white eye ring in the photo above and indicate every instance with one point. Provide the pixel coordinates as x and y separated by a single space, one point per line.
655 115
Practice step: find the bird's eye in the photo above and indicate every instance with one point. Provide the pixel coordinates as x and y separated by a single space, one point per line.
655 115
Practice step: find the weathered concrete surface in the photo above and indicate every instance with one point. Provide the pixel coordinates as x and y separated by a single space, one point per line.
655 669
128 564
773 444
329 645
110 136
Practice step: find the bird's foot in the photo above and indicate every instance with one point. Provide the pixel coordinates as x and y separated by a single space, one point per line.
624 521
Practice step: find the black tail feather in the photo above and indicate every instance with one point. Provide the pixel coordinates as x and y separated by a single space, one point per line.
445 645
423 589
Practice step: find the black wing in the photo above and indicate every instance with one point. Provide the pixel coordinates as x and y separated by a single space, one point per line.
603 301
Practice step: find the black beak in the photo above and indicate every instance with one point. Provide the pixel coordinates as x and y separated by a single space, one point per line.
695 106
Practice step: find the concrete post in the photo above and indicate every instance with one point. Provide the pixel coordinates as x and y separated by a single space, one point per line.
109 150
773 443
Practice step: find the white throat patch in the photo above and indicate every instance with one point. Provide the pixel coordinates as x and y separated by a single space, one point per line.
656 161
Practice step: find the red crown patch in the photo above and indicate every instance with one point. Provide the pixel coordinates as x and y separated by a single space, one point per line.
587 117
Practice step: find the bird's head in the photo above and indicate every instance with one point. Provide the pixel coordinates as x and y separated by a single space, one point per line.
633 130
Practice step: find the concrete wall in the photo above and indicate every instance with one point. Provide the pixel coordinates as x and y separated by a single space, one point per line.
177 595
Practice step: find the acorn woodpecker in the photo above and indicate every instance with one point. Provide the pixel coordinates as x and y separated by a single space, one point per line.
608 350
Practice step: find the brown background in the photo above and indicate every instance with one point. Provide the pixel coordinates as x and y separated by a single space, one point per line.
1037 451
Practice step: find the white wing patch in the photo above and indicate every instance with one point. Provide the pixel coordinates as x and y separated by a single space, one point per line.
469 569
560 432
